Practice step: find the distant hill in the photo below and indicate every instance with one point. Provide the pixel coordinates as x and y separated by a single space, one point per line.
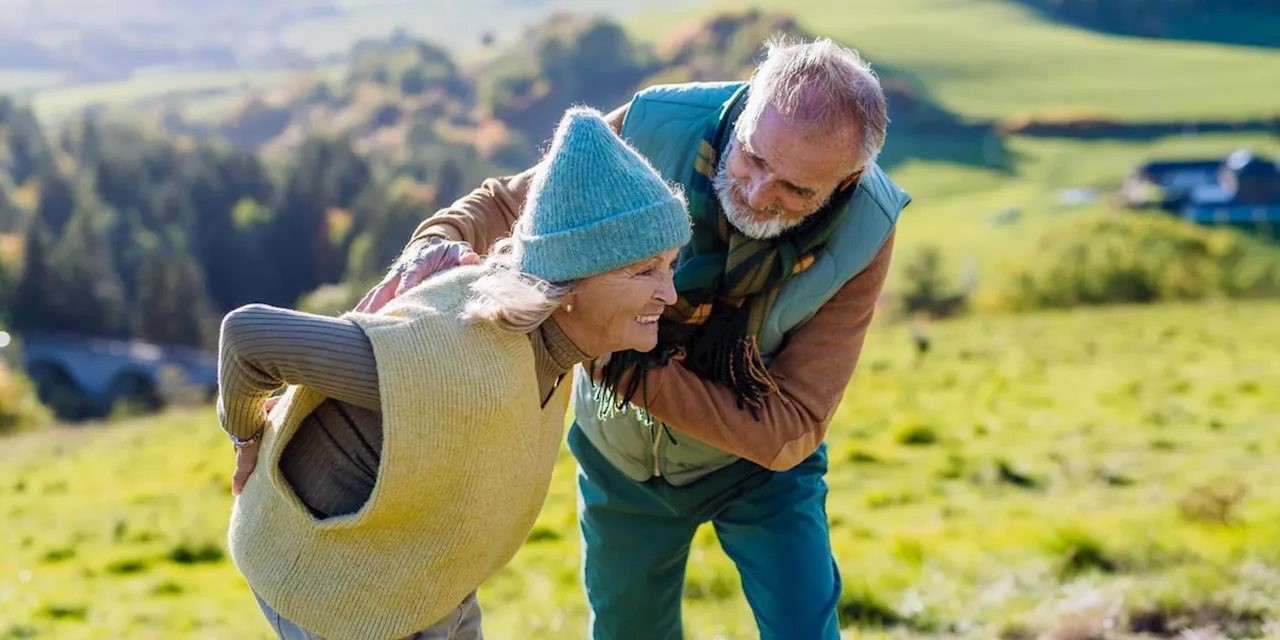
65 43
399 95
996 59
1241 22
93 39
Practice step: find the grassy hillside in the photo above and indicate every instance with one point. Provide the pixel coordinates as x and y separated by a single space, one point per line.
982 58
185 86
458 26
1058 471
997 59
957 203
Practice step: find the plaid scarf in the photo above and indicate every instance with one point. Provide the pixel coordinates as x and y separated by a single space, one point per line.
727 284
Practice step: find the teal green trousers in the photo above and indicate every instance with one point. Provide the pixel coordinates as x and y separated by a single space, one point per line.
636 538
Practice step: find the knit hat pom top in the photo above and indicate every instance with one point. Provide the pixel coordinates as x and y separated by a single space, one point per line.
595 205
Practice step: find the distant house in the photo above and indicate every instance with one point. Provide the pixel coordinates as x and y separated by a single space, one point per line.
1159 181
1242 189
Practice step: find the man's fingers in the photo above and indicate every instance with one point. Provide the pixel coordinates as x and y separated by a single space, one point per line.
411 279
364 302
367 300
380 295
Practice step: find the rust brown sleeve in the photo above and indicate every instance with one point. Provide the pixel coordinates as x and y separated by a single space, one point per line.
488 213
812 372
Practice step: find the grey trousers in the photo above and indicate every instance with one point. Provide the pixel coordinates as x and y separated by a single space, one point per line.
462 623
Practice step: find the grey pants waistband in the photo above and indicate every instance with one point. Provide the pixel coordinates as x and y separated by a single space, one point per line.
462 623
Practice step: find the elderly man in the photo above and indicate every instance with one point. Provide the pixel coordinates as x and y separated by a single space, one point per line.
725 422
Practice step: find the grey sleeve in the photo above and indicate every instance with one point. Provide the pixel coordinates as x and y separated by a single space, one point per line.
263 348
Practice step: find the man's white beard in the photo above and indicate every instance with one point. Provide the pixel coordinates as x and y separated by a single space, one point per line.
743 218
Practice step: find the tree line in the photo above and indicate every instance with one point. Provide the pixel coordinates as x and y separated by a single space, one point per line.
149 238
126 230
1154 18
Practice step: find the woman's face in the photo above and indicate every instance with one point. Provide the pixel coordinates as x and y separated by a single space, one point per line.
619 310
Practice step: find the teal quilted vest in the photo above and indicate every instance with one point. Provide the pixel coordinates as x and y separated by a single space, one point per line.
666 124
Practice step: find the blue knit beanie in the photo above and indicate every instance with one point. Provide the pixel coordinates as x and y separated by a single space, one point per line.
595 205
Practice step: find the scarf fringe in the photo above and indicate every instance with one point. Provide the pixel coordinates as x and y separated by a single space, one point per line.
749 375
734 360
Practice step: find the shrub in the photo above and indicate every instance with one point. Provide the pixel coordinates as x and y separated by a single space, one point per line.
926 287
20 408
1079 552
1137 258
915 434
862 608
189 553
1214 502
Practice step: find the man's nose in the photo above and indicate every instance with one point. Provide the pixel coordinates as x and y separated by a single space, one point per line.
758 194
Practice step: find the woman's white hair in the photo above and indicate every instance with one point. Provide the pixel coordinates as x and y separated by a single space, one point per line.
822 87
512 300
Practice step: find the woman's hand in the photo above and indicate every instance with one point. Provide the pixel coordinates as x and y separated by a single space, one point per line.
247 455
246 460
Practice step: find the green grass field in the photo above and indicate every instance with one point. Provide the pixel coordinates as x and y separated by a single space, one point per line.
995 59
1032 473
189 87
1055 472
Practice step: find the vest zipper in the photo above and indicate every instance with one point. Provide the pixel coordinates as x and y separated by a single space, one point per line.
657 439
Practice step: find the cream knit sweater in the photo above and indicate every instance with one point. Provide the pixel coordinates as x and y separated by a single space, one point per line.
466 463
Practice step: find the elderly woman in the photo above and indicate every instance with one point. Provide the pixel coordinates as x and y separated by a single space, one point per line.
413 449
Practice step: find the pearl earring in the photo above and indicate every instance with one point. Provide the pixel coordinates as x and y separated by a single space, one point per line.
568 307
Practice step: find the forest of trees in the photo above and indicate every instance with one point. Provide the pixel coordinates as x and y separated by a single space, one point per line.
142 237
127 230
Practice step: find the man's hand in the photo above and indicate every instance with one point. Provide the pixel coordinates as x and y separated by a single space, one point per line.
246 460
420 262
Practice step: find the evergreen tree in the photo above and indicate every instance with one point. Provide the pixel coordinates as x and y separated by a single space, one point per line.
86 294
25 151
172 306
28 306
327 174
57 201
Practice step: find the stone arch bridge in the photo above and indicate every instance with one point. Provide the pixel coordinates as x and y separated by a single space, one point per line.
82 377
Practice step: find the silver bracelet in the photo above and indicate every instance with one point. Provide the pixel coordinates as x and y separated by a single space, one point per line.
240 444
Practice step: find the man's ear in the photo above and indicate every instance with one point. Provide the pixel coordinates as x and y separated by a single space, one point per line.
851 180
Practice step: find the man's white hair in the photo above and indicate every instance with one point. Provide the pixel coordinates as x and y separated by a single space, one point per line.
512 300
825 89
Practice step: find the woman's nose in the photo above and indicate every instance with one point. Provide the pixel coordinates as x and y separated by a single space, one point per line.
667 292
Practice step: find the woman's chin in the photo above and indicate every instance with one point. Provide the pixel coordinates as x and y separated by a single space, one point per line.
646 342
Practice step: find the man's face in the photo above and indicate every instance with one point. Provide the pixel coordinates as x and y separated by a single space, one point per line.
774 177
